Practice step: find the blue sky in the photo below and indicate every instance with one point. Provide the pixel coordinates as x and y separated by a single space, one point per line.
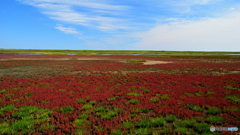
190 25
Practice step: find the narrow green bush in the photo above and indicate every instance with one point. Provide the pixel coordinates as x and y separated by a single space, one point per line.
197 108
203 127
145 123
214 119
135 60
210 92
83 116
159 121
230 87
181 130
188 94
23 124
66 109
112 99
165 96
190 106
80 122
7 108
99 109
170 118
134 94
213 110
116 132
127 125
87 106
3 91
154 99
134 101
233 98
80 100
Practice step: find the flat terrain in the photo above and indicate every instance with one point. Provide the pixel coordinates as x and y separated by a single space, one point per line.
116 94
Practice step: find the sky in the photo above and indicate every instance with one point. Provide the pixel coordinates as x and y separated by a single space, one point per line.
170 25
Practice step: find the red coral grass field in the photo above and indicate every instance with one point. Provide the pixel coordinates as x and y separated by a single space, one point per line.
107 95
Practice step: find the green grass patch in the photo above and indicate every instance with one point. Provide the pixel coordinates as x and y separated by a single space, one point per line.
181 130
92 102
134 94
14 89
45 127
213 110
210 92
133 88
230 87
203 128
145 123
188 94
165 96
141 131
80 100
87 106
99 109
23 124
145 90
134 101
233 98
112 99
7 108
45 101
127 124
66 109
159 121
165 130
199 94
28 94
154 99
109 114
235 109
3 91
170 118
62 90
185 123
80 122
190 106
197 108
133 115
5 128
83 116
79 131
190 122
9 95
135 60
214 119
116 132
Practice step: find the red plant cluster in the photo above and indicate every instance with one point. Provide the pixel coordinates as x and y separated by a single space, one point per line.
59 91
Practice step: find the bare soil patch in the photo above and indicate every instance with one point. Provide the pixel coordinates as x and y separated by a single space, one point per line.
151 62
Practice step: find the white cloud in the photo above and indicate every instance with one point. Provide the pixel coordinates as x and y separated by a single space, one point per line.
66 11
67 30
205 34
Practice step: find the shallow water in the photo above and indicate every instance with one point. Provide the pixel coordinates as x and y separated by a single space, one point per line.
232 54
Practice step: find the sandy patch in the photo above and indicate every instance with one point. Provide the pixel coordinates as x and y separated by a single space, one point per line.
148 62
151 62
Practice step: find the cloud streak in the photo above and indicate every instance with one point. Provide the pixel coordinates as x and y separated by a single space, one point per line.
67 30
70 12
